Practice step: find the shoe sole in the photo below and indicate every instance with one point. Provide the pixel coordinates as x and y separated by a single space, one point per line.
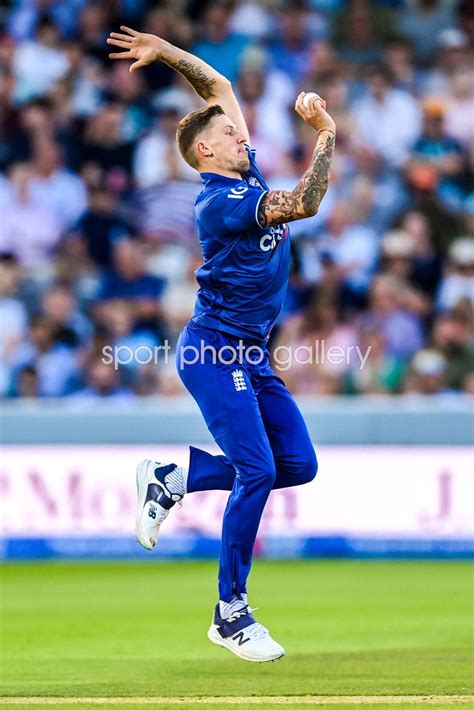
143 481
219 641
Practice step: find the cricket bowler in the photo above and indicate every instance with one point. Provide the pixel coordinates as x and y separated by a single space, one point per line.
244 236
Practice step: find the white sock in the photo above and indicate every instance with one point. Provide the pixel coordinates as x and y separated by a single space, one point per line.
177 480
226 609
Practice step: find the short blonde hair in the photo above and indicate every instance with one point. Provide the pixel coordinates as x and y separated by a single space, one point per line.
190 127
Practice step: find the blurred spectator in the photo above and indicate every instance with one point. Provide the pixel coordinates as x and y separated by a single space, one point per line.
102 383
398 251
353 249
426 374
100 226
458 282
334 86
459 102
130 280
130 89
323 63
179 297
167 185
402 329
389 195
382 373
360 30
312 336
86 80
265 92
452 55
29 227
13 316
452 337
466 19
444 224
290 49
398 57
38 63
136 351
72 327
56 364
157 159
54 186
103 146
218 46
399 259
27 383
24 18
169 22
421 21
390 116
5 191
20 128
434 147
426 261
251 18
92 28
165 213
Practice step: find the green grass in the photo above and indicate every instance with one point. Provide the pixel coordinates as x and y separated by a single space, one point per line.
138 629
244 706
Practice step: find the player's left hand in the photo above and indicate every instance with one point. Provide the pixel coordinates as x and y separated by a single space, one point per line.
145 48
314 113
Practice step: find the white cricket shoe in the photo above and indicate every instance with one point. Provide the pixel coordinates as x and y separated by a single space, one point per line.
244 636
154 498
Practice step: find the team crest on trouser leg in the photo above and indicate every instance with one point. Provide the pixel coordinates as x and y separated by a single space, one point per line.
239 381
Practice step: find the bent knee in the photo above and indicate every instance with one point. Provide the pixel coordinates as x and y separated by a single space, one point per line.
259 477
267 476
308 467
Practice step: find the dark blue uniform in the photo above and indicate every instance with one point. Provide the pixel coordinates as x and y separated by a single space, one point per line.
247 408
244 277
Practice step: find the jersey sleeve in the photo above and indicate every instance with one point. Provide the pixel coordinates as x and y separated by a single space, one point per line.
231 209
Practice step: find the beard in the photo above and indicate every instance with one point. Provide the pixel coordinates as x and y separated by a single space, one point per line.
243 164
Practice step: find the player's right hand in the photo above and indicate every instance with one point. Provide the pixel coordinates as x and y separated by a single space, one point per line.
315 113
145 48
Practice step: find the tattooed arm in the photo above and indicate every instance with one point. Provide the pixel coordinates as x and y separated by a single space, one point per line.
211 86
279 206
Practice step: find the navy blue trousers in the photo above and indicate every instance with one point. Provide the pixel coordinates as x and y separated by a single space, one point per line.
258 426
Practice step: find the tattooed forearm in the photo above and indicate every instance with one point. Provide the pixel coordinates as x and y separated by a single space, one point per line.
315 181
281 206
196 76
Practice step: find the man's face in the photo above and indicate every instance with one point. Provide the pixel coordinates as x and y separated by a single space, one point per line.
378 86
433 126
226 145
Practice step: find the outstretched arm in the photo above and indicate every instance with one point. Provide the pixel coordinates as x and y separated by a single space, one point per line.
213 87
279 206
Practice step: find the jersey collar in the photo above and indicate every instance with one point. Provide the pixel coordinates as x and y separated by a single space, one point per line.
215 179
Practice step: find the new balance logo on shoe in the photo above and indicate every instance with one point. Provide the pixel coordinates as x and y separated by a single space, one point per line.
239 382
152 512
240 638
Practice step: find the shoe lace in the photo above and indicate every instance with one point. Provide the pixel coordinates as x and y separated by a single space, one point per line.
242 611
257 631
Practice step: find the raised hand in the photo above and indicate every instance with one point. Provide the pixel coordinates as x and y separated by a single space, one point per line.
314 113
144 48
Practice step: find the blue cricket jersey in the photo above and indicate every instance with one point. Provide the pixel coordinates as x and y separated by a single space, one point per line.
244 278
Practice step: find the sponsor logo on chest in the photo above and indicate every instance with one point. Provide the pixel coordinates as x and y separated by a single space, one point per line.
276 234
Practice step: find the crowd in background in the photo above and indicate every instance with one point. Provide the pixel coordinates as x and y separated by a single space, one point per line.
98 244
